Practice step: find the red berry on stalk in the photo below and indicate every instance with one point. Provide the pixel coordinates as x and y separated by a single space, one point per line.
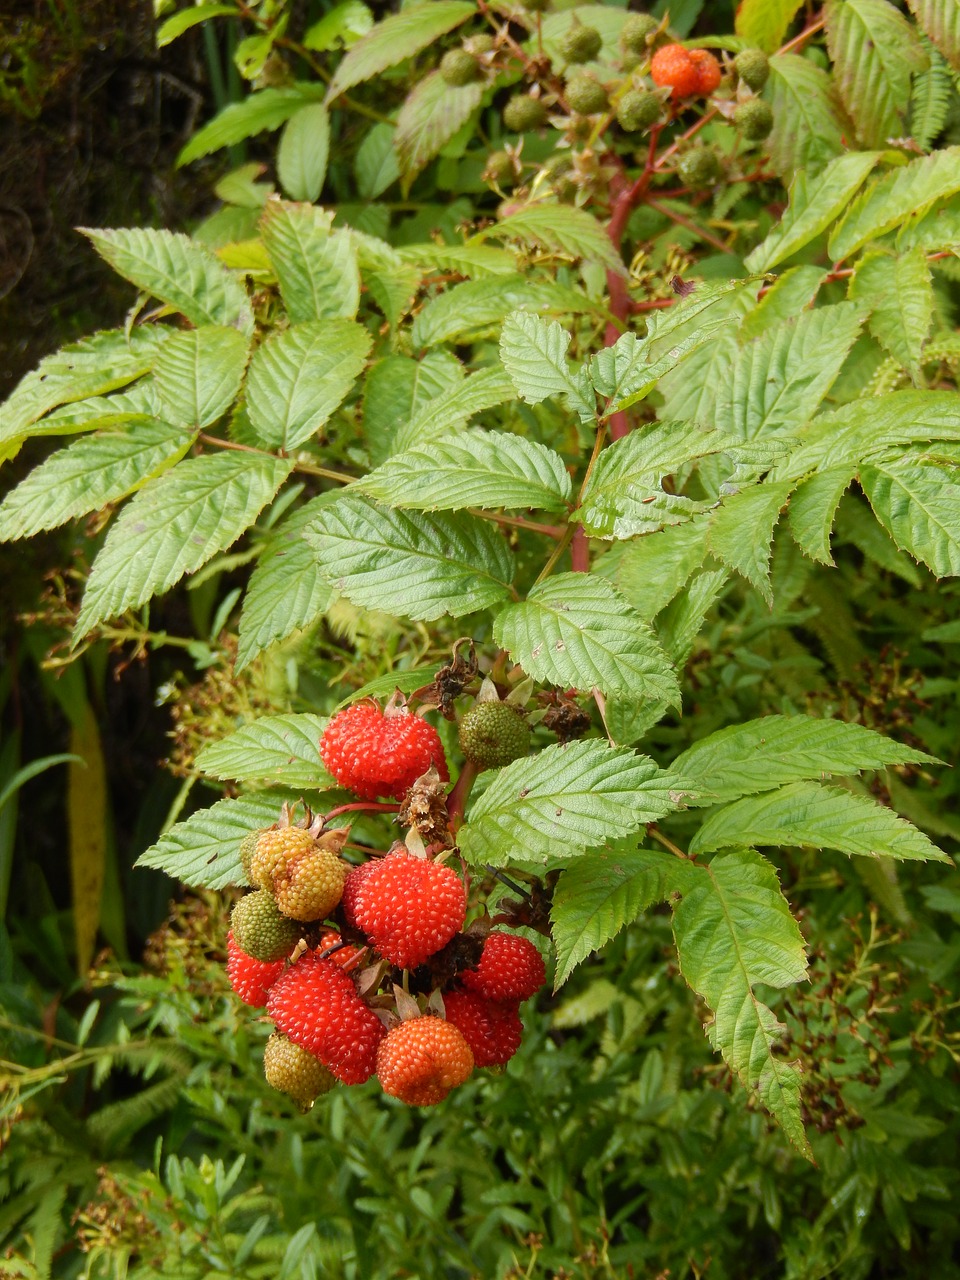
420 1061
377 753
316 1006
409 907
493 1031
510 968
708 70
351 888
687 72
251 979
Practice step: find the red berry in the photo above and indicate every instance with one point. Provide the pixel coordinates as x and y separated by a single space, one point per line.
420 1061
251 979
377 754
410 907
351 888
493 1031
673 67
316 1006
510 968
708 70
347 957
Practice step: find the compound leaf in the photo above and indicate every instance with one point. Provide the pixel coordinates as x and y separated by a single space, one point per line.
534 354
918 503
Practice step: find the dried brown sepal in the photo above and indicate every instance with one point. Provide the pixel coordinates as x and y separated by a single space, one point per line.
425 808
564 717
451 680
533 911
463 951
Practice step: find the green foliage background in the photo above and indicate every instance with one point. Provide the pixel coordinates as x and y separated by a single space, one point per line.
773 552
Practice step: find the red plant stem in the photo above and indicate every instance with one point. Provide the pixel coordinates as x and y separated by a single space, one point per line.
682 221
579 551
370 805
803 37
457 799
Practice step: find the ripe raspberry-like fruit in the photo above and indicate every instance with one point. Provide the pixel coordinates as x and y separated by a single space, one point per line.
260 929
347 957
351 887
673 67
271 849
316 1006
752 67
510 968
754 119
492 734
409 907
420 1061
637 109
310 886
586 96
294 1071
458 67
636 31
376 753
493 1031
523 113
708 71
580 43
251 979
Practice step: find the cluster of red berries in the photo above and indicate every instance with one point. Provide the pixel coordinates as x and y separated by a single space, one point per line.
334 993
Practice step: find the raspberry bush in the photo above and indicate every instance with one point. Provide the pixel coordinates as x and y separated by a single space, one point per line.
573 392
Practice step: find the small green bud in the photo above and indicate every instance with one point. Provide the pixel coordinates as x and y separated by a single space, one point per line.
636 32
586 96
459 68
638 109
580 43
482 43
752 67
754 119
698 167
499 169
523 113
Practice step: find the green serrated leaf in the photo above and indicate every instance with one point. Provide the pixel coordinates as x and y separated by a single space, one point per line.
892 199
918 503
417 566
450 412
874 51
478 261
282 750
654 568
552 806
599 894
807 131
899 293
398 37
266 109
741 531
559 228
930 100
816 817
766 753
940 19
734 929
793 292
316 268
179 271
198 374
777 381
577 631
534 354
624 494
477 307
303 151
90 473
765 22
287 591
300 375
815 202
175 524
428 119
178 23
478 469
205 849
345 23
375 164
398 389
813 508
682 620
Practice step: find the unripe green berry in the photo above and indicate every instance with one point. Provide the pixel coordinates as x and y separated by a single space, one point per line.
492 734
636 31
586 96
638 109
260 929
698 167
523 113
248 847
482 43
310 886
459 68
580 43
752 67
499 169
294 1071
754 119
